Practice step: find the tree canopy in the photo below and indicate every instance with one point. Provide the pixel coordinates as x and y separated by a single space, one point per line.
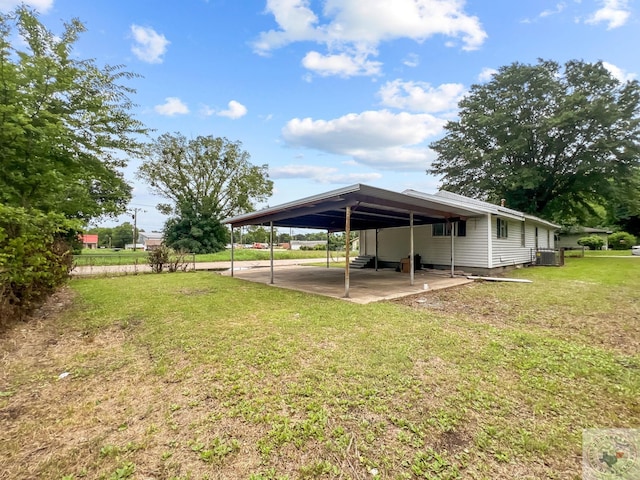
206 179
208 175
551 141
65 123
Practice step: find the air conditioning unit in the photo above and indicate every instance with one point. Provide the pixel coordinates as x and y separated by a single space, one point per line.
546 257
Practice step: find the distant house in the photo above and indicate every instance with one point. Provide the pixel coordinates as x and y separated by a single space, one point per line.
307 244
150 240
89 241
569 238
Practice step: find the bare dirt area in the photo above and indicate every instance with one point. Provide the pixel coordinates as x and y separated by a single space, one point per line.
614 325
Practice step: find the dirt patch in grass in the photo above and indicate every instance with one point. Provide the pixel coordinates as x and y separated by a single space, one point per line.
617 327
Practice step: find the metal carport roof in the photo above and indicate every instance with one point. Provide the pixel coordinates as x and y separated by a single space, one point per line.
371 208
358 207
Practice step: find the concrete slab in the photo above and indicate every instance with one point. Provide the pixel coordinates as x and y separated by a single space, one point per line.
365 285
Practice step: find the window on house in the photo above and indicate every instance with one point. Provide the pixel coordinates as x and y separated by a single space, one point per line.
502 228
444 229
441 229
522 235
461 228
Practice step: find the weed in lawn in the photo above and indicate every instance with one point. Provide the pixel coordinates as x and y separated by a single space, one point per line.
123 472
433 465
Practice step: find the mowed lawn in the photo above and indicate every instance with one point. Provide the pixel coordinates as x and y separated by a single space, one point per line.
196 375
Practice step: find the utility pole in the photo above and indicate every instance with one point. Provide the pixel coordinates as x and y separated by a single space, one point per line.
135 227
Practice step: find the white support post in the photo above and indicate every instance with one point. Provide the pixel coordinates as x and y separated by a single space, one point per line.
347 235
271 247
328 238
453 231
232 250
411 255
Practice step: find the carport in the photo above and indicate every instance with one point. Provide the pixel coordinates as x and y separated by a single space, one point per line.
357 207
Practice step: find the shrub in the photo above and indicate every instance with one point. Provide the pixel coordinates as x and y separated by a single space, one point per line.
158 258
593 242
621 241
35 258
163 256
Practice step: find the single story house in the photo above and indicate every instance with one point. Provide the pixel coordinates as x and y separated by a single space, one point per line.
569 238
487 238
150 240
442 230
89 240
307 244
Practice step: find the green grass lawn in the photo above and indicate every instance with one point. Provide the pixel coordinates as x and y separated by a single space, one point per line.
598 253
196 375
129 257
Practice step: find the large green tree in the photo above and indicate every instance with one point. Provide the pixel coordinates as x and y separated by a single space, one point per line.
551 141
211 175
66 126
206 179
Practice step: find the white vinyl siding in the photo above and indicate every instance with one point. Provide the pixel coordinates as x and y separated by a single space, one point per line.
470 250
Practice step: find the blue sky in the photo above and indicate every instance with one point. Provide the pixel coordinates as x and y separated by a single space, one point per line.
334 92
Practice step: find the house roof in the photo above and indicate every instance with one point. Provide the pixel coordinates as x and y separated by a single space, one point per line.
371 207
150 235
89 238
480 206
580 230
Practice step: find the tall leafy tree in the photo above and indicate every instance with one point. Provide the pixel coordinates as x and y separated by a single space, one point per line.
206 179
550 140
65 123
211 175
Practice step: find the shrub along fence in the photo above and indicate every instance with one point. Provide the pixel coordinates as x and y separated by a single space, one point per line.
35 258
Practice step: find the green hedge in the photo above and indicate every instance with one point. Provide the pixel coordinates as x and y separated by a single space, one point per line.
621 241
35 258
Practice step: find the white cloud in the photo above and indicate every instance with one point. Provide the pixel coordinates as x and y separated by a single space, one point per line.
172 106
614 13
149 45
354 29
377 138
559 8
343 64
207 111
42 6
411 60
234 111
321 174
421 96
486 74
618 72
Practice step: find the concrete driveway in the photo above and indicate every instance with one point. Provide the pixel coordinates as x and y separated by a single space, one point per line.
365 285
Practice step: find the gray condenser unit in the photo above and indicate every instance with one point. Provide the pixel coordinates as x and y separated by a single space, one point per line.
545 257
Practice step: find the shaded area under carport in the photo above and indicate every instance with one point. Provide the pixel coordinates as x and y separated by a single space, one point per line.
366 285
